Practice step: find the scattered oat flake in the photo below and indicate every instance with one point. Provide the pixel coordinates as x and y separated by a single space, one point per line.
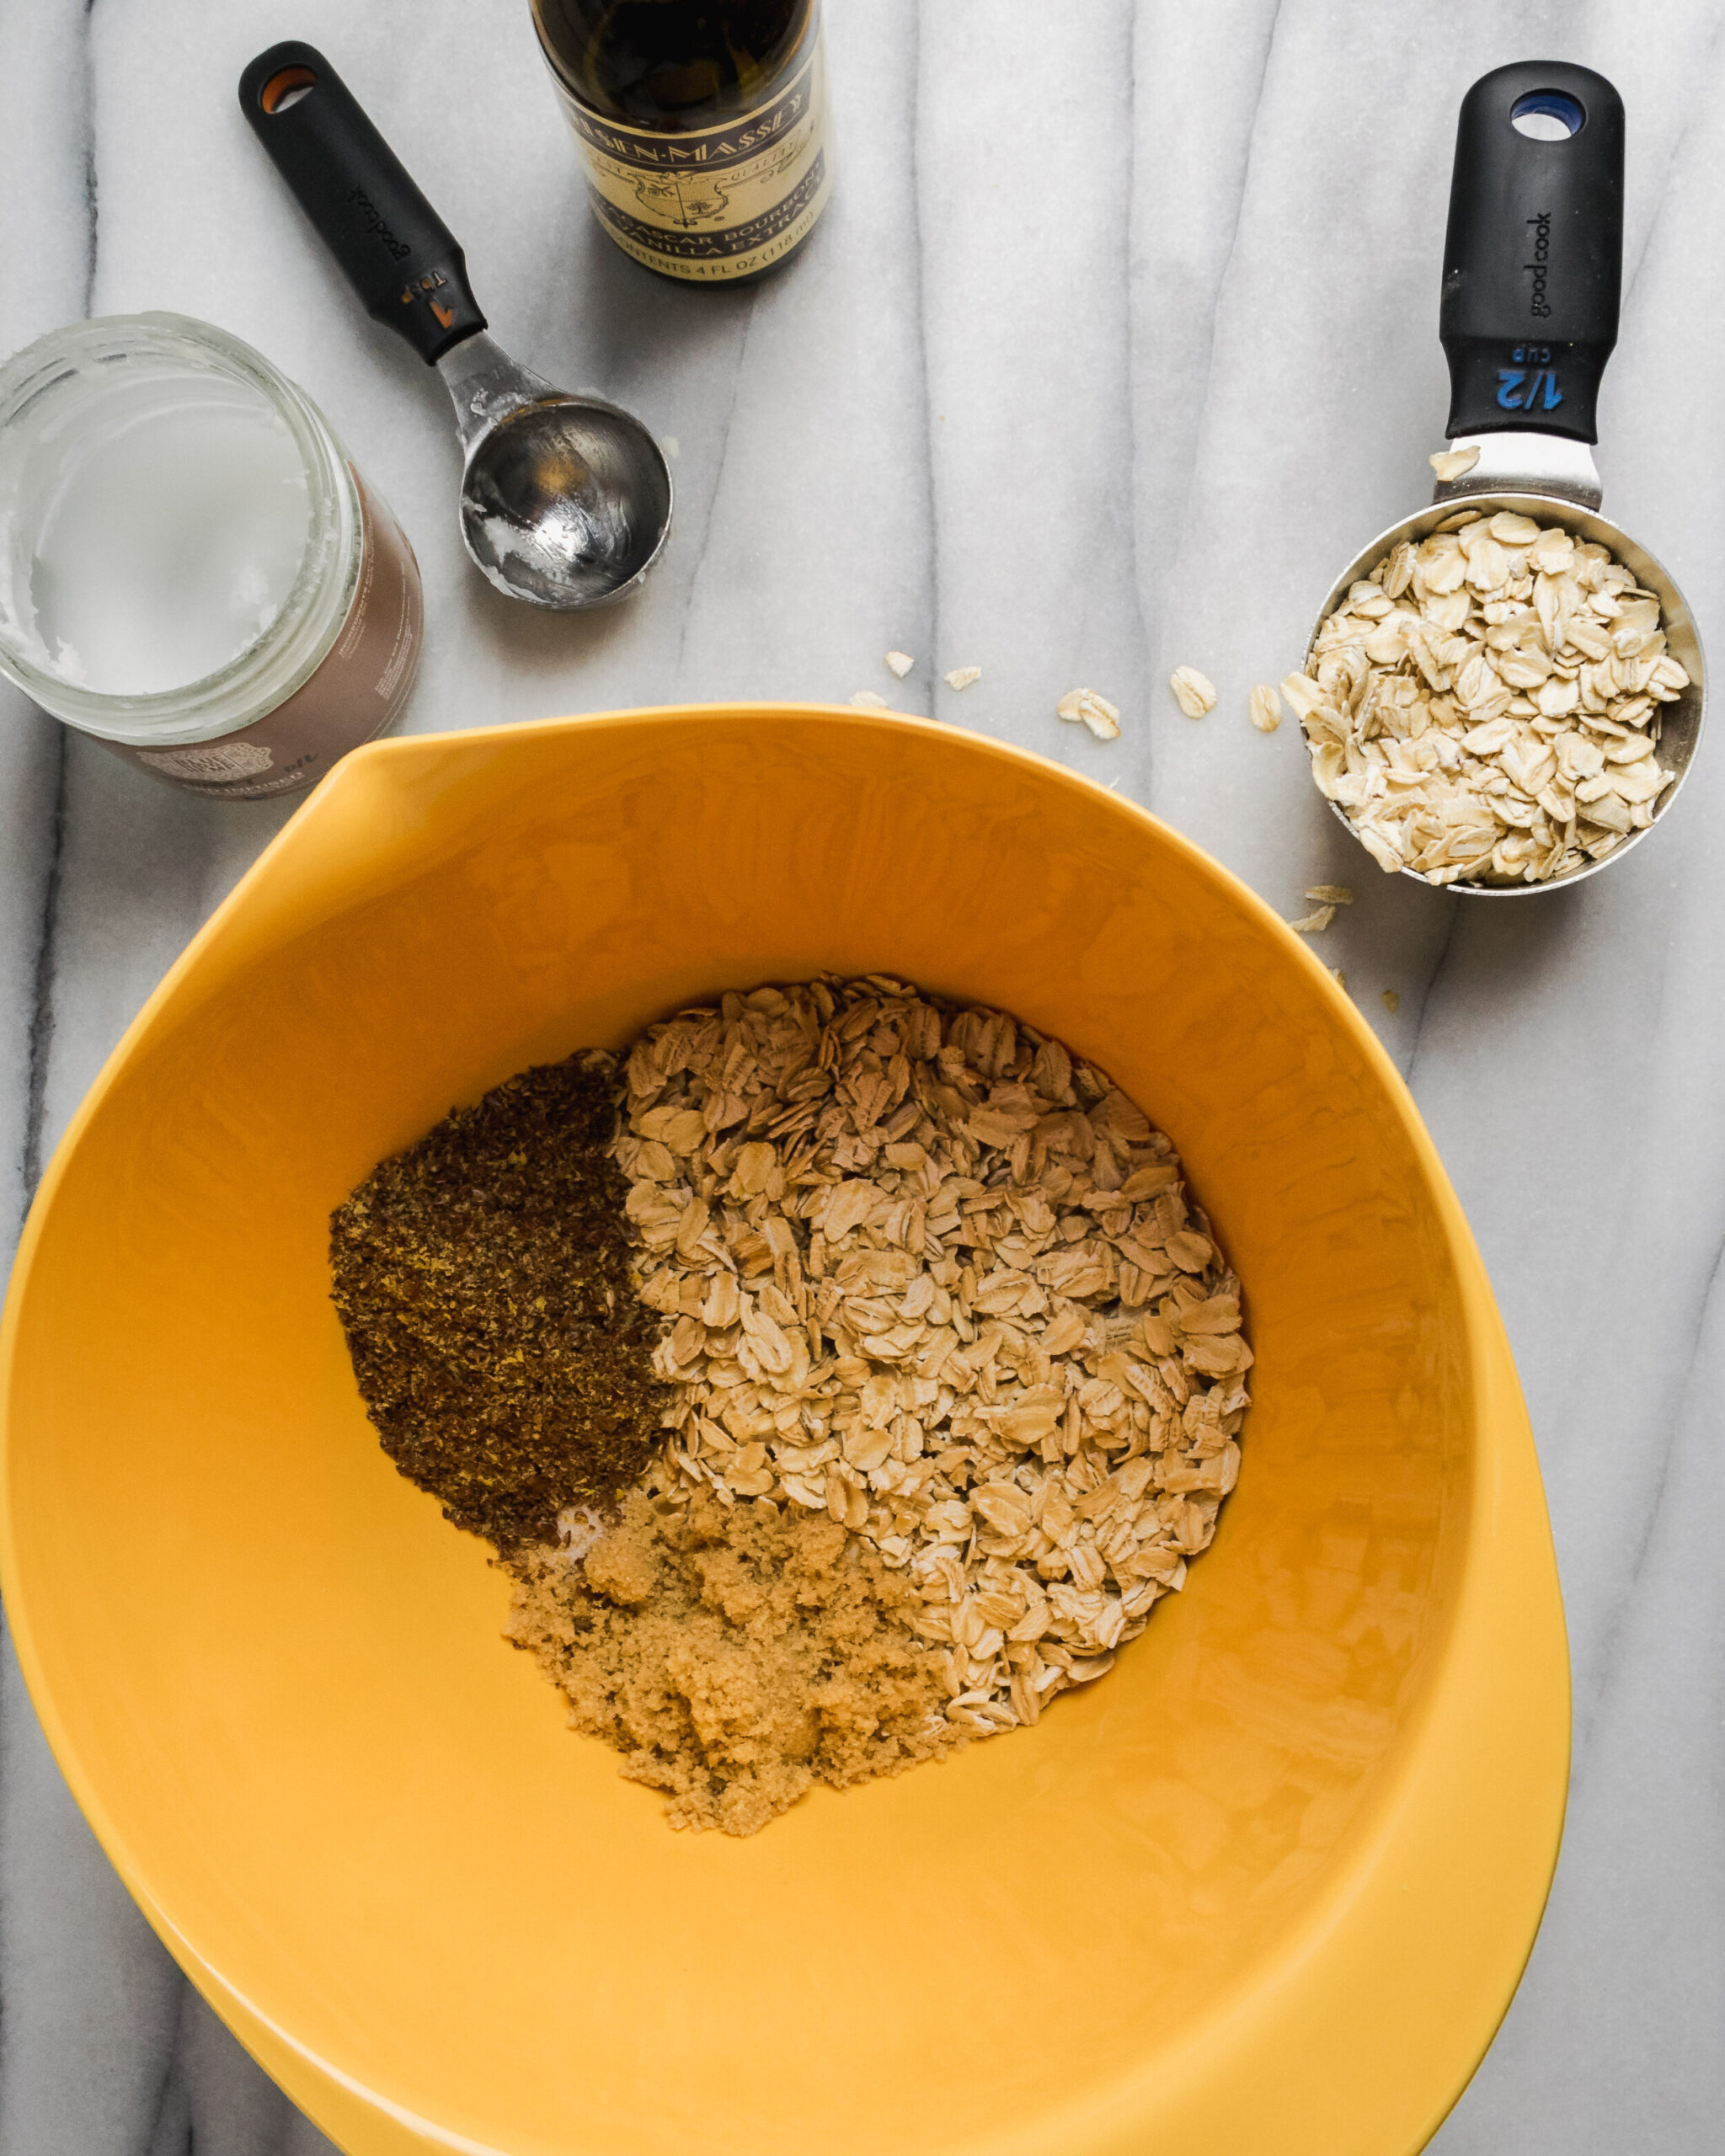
1195 693
1096 711
1266 708
901 663
866 699
961 677
1331 894
1392 1002
1314 923
1339 976
1451 463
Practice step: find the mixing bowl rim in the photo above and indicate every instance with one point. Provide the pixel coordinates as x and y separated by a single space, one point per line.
379 755
1488 1364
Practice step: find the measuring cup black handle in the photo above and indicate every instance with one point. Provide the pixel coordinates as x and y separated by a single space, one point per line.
399 255
1533 260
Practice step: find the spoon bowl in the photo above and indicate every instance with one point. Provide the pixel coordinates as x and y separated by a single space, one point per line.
565 503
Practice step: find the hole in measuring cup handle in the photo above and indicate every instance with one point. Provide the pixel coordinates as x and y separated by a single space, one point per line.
1547 115
284 90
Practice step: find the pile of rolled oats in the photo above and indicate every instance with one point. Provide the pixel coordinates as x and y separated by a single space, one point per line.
1485 706
928 1273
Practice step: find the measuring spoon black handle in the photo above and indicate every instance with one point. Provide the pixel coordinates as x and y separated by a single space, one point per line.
1533 260
399 255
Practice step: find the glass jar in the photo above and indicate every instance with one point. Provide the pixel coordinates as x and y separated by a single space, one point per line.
191 570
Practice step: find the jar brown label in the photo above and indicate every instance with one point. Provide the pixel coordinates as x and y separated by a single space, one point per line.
721 203
358 690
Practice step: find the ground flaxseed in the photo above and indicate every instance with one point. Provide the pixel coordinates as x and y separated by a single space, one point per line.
483 1279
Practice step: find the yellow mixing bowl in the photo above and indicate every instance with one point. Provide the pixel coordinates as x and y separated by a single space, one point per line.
1264 1891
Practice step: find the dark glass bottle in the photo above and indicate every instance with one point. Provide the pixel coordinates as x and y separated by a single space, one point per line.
702 125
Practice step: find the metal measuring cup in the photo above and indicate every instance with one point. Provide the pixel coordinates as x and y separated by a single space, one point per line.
1532 271
566 499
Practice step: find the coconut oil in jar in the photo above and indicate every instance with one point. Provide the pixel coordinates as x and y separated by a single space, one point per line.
191 570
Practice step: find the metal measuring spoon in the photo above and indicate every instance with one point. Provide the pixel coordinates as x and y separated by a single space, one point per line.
1532 269
565 500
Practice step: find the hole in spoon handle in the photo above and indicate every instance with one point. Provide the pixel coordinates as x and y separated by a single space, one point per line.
399 256
1533 260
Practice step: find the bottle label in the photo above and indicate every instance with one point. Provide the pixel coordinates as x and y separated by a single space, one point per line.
722 203
357 690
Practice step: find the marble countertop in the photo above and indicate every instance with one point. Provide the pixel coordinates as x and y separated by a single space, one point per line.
1120 336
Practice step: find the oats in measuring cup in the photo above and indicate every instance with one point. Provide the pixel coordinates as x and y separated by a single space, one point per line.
1485 706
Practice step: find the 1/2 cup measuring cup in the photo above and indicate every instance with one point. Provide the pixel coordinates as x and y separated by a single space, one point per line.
1532 269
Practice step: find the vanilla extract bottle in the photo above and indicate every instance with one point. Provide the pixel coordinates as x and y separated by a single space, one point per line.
702 123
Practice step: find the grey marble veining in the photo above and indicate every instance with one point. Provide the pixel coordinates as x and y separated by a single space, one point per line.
1118 338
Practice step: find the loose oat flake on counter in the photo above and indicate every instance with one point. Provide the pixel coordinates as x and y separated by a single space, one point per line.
1485 706
1195 693
1093 711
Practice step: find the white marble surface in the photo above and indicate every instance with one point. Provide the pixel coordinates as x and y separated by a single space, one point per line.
1120 336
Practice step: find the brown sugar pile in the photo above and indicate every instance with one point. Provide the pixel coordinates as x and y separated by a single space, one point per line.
735 1655
482 1278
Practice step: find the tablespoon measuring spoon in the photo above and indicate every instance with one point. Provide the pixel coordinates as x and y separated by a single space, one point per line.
1532 271
565 500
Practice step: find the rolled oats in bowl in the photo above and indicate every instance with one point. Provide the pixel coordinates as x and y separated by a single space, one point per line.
1485 706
